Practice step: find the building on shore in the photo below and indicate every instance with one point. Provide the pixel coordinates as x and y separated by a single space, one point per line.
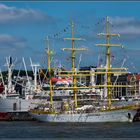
131 81
134 81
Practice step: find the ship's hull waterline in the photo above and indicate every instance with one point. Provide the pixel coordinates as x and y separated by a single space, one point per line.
107 116
15 109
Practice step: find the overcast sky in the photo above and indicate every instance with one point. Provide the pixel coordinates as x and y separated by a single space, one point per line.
25 25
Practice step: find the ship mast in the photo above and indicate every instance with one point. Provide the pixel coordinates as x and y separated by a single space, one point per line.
35 76
73 50
108 70
9 64
108 35
48 51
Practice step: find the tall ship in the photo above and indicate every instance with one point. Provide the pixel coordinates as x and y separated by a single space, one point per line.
70 110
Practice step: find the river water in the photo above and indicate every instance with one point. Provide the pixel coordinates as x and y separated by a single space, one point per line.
34 129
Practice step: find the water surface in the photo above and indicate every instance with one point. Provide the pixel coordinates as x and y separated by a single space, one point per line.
35 129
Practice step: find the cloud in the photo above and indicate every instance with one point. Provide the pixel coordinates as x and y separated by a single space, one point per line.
11 42
126 25
13 14
129 29
122 20
12 46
